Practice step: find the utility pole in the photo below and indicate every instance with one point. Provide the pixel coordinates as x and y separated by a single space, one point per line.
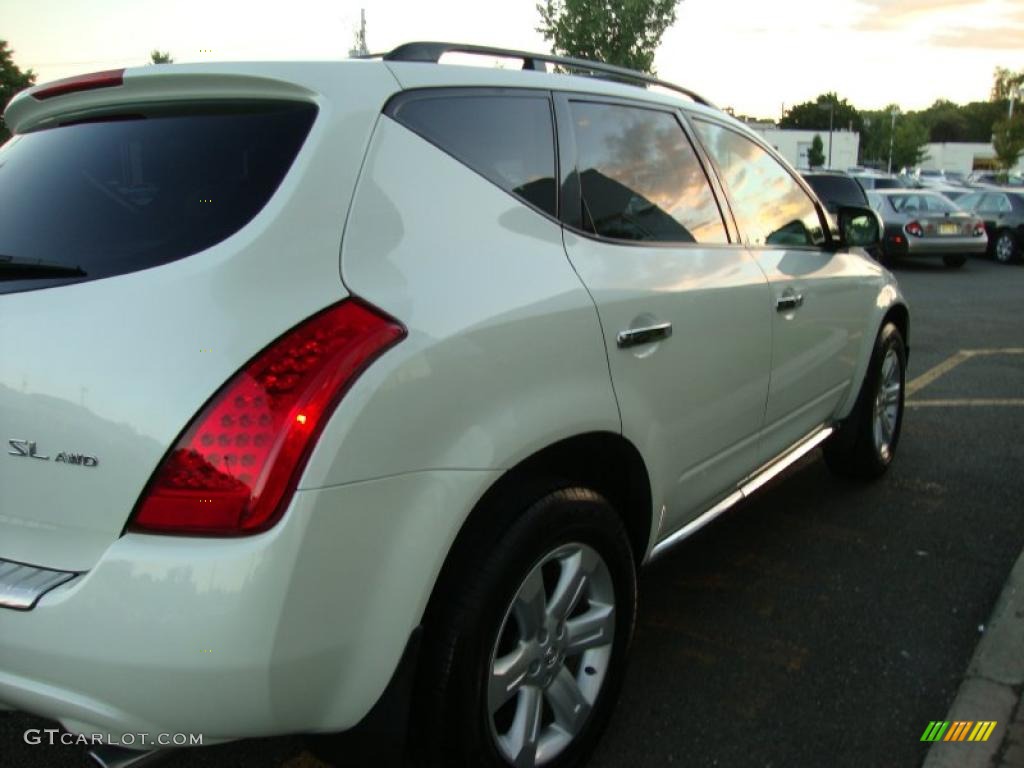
360 49
892 134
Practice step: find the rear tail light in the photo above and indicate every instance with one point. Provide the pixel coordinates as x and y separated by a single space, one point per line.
106 79
914 228
979 228
233 470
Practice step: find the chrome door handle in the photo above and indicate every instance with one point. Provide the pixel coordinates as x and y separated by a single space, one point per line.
789 301
635 336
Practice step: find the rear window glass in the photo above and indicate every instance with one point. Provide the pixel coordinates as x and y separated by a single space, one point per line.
922 204
508 139
122 193
837 191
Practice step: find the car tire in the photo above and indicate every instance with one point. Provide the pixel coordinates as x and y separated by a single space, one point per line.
502 670
1006 249
954 260
864 445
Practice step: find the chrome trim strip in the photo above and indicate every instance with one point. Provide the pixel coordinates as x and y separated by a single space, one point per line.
771 470
695 525
776 467
22 585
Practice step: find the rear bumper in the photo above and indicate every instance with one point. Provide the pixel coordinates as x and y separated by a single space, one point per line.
941 246
298 629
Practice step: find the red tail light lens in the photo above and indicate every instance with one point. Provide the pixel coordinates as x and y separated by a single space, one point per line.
106 79
233 470
979 228
915 229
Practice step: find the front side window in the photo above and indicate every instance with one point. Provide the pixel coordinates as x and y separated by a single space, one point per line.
772 209
640 179
507 139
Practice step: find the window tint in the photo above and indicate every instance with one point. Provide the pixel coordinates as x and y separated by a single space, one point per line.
836 191
640 177
771 207
506 139
127 192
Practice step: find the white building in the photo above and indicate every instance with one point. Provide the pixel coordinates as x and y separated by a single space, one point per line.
962 157
794 145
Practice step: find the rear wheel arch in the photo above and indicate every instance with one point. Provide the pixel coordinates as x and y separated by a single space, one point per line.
899 316
604 462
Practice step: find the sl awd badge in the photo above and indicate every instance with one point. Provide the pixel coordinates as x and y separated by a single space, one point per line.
27 449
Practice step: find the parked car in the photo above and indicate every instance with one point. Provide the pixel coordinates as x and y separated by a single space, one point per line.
877 180
836 190
339 400
1002 211
996 178
924 223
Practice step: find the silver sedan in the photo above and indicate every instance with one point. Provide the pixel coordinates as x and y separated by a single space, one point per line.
923 223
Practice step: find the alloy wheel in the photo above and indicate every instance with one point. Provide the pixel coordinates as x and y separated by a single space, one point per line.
887 404
551 655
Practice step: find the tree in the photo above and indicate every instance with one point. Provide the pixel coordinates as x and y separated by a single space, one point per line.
1005 83
816 154
12 80
814 115
909 139
622 32
157 56
1008 140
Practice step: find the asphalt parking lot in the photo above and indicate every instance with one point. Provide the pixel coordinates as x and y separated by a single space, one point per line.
823 623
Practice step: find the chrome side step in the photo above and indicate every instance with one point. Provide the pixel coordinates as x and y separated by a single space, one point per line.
746 489
109 756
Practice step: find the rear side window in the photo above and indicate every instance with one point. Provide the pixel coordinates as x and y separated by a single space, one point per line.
640 178
506 138
122 193
772 209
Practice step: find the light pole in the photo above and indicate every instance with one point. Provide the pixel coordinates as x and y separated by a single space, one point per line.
892 135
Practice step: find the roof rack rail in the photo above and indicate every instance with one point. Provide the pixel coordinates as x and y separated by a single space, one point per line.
431 52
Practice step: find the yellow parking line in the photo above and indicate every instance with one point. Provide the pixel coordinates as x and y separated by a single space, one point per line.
953 361
976 402
932 374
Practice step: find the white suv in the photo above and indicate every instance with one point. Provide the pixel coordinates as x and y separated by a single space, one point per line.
354 394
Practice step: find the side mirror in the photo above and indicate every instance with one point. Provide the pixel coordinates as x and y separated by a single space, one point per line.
858 227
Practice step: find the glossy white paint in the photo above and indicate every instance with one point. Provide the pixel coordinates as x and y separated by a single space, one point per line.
504 353
300 628
296 629
116 368
815 347
692 403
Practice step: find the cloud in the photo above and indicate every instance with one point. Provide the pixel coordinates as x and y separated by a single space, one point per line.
1005 38
888 15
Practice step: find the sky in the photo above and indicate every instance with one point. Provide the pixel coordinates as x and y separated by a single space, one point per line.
751 55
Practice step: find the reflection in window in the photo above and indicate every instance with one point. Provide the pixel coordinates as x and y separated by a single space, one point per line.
640 177
772 209
507 139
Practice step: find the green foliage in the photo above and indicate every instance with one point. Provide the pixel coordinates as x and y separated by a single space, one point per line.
1008 140
12 80
1005 83
816 154
814 115
157 56
622 32
911 135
